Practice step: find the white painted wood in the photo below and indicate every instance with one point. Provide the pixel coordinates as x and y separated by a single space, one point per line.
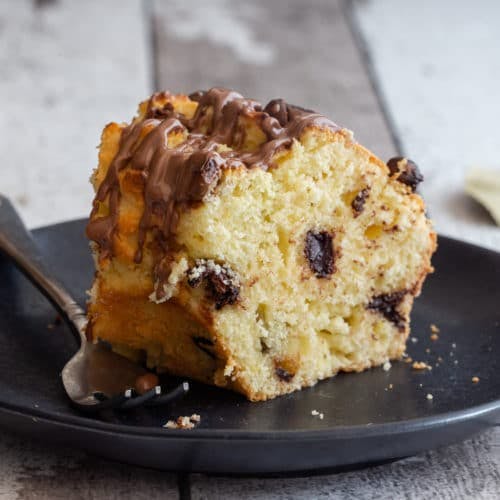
439 68
66 69
35 471
465 471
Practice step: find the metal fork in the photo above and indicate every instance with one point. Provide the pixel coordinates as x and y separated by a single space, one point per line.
95 378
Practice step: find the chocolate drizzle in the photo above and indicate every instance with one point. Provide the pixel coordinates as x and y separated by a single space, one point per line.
175 176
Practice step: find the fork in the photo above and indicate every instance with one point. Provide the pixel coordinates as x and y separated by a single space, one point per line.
95 378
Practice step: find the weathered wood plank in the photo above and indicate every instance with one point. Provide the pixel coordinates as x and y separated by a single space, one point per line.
39 472
66 69
301 51
463 471
438 65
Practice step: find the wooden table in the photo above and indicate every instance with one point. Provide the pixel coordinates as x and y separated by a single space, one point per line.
419 78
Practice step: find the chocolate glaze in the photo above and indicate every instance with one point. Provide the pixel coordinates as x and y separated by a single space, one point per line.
177 176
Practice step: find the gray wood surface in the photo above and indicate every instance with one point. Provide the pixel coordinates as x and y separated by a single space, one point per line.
302 51
68 67
30 470
467 470
440 79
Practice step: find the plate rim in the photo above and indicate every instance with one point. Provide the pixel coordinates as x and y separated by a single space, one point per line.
336 433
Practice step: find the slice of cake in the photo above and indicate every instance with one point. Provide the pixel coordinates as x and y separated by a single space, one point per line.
260 249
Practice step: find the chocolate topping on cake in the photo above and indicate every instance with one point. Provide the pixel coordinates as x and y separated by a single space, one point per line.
176 176
319 253
387 304
409 172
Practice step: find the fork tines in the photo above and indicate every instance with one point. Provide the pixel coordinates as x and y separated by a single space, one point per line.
130 399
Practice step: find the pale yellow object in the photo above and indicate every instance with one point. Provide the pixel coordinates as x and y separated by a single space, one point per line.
484 186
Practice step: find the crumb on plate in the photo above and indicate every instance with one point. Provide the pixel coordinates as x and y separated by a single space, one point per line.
183 422
421 365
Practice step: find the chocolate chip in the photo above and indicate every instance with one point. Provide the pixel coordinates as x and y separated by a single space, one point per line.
283 374
146 382
204 344
221 282
409 172
358 204
387 304
222 292
277 108
319 253
263 346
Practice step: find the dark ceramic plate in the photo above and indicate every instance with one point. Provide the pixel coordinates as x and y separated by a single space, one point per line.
368 417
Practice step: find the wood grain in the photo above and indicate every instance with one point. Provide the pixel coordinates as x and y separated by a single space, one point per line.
470 470
36 471
301 51
440 81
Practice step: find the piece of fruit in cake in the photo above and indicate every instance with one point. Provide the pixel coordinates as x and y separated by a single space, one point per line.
256 248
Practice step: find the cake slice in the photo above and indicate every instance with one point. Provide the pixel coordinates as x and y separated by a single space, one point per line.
260 249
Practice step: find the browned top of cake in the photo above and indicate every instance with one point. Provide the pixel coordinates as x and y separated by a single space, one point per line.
185 173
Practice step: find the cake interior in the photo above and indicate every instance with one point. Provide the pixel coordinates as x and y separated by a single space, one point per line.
326 250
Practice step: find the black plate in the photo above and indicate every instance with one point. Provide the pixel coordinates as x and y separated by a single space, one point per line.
364 419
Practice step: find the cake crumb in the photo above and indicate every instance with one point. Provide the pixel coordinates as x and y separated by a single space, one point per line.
386 366
316 413
453 346
434 337
421 365
455 362
409 359
183 422
429 397
390 386
434 328
475 380
428 351
414 340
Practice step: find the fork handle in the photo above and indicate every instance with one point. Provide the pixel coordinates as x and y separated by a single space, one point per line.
16 242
